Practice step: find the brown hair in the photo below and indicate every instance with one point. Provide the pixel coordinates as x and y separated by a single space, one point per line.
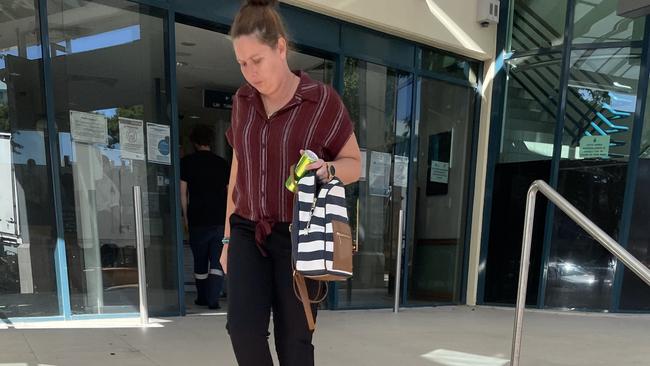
261 19
202 135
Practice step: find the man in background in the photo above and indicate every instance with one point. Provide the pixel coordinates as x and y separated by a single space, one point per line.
204 187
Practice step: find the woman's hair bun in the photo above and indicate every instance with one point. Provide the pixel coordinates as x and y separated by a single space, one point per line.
271 3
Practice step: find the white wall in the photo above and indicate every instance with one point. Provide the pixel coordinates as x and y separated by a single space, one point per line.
479 188
447 24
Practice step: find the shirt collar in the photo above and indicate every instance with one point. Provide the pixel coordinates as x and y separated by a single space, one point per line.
307 88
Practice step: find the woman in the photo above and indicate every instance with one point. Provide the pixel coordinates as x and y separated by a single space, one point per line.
276 115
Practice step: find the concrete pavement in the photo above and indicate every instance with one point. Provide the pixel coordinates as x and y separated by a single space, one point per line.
448 336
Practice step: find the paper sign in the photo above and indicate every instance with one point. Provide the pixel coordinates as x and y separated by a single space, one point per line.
439 172
158 143
594 147
364 167
400 174
131 138
379 175
88 127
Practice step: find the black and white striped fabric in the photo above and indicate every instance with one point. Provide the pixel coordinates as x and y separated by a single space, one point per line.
312 232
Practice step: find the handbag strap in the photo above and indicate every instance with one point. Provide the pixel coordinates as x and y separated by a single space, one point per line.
304 298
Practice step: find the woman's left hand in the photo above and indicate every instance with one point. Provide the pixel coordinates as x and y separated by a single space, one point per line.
320 168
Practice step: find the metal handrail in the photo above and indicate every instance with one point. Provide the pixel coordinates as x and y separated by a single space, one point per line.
398 261
139 243
589 226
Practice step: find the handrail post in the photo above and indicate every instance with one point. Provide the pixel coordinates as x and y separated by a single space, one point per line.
630 261
523 273
139 244
398 266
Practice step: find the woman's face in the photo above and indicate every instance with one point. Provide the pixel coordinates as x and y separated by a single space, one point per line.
261 65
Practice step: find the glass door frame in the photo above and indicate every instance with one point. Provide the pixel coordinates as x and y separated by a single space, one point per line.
400 71
60 258
54 156
417 73
413 166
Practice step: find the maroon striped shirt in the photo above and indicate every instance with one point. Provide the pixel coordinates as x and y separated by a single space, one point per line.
315 119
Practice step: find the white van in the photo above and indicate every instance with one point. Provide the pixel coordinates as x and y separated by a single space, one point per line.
9 228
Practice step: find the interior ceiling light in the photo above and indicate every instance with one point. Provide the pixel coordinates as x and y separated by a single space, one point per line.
188 44
617 84
181 63
194 117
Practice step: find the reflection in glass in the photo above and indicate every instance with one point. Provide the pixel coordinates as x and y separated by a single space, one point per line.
27 230
111 110
601 101
379 101
445 129
450 65
529 124
537 24
635 294
526 152
596 21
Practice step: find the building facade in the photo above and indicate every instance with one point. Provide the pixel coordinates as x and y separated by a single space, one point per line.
97 97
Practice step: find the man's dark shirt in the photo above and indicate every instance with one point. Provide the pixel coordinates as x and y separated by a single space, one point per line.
207 176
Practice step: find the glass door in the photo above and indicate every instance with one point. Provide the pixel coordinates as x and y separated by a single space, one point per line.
28 285
435 265
379 100
111 105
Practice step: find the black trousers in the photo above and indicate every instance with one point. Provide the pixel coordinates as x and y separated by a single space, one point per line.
258 285
206 245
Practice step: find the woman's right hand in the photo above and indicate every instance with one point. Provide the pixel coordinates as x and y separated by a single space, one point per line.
224 258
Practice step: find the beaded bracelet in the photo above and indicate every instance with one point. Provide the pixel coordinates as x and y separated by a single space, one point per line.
225 240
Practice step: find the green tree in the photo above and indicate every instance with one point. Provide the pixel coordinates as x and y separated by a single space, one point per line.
351 89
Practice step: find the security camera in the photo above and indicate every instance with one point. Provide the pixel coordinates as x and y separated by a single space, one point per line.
488 12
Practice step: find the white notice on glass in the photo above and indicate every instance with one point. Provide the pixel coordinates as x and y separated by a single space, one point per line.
594 147
379 175
158 143
131 138
88 128
439 172
400 174
364 167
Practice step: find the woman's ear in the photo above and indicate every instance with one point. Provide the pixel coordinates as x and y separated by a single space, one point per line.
282 47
